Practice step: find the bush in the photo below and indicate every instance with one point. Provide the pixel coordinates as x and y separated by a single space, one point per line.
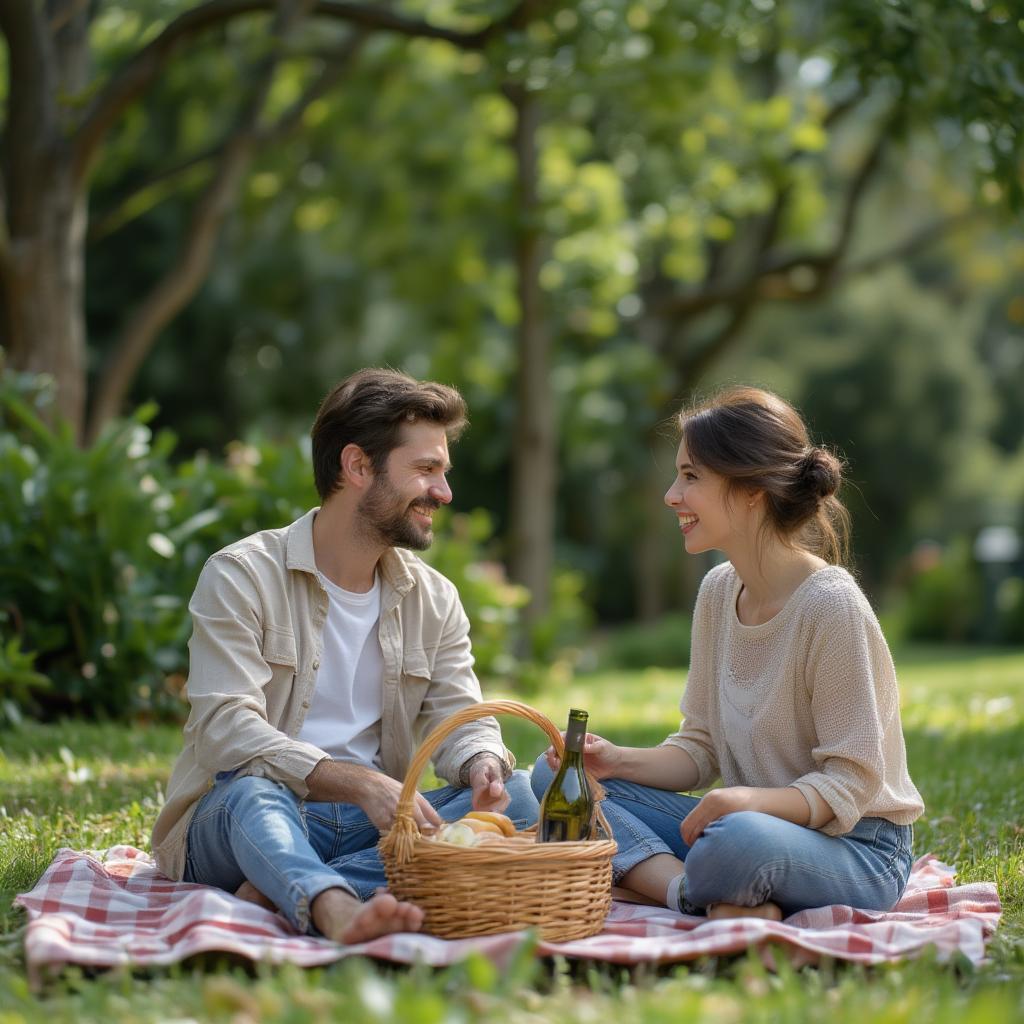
492 603
944 603
664 644
19 681
1010 611
84 545
103 547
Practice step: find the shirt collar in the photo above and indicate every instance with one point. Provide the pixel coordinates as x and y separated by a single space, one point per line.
300 556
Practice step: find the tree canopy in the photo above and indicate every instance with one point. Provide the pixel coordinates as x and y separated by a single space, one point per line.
578 212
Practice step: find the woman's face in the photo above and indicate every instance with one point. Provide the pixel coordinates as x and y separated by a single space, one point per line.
699 498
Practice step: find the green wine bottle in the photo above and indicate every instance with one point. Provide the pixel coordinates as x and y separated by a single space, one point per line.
568 804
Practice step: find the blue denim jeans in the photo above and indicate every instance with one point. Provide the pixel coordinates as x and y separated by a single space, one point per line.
255 829
750 858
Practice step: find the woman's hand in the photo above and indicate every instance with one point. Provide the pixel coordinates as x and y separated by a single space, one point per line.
715 805
601 757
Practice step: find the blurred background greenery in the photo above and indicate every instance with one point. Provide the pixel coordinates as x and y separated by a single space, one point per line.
581 214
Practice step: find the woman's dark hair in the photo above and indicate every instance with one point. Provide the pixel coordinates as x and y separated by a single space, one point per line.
758 442
369 409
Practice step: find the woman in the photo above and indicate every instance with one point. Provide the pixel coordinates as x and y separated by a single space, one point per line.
791 698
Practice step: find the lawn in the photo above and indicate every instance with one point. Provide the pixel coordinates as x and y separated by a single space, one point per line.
90 786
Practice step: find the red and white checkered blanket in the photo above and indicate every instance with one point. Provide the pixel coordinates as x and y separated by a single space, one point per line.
100 909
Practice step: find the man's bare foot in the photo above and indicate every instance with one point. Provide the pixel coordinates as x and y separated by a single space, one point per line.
248 892
724 911
341 917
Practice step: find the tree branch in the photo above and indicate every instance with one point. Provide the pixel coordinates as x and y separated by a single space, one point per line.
337 64
690 367
766 268
781 289
134 77
824 262
189 270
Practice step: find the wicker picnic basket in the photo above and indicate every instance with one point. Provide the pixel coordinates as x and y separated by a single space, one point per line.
561 889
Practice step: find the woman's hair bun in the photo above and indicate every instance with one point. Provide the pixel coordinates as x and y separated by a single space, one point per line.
821 472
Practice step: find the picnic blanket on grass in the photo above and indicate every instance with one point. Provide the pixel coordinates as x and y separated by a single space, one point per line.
112 907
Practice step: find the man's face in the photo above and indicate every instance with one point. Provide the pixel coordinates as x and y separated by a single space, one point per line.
400 504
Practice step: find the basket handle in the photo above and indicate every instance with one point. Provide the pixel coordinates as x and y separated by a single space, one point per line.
404 820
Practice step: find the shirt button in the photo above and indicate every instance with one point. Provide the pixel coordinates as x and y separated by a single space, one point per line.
305 703
316 664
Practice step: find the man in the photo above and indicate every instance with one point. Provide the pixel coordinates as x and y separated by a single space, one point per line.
321 654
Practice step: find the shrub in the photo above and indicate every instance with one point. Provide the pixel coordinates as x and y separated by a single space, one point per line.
1010 611
944 603
664 644
82 541
19 681
103 547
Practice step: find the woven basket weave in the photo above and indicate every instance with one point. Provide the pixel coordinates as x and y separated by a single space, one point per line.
561 889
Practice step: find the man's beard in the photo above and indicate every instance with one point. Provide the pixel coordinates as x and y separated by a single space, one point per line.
384 513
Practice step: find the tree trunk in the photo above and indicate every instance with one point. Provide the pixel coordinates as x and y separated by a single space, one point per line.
650 555
42 260
534 445
43 278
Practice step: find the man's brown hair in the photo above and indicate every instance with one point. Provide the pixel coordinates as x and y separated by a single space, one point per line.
369 409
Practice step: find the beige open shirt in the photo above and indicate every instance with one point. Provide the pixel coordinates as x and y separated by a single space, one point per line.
258 616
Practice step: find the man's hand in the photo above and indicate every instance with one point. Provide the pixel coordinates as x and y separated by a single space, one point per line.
601 757
486 775
372 791
380 804
715 805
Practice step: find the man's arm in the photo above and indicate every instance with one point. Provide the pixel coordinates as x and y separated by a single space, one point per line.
376 793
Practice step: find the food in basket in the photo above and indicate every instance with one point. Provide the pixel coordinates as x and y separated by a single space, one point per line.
475 827
503 821
458 833
481 828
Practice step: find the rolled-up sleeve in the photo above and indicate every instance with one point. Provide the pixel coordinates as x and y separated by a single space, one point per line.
853 701
228 725
454 686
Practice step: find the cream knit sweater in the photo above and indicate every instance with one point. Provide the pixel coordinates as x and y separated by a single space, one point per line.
807 699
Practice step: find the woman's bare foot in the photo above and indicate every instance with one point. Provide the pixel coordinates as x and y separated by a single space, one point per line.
341 917
248 892
724 911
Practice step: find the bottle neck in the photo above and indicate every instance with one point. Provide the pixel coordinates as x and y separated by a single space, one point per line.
574 735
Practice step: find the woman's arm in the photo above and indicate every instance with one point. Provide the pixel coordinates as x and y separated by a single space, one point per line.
784 802
662 767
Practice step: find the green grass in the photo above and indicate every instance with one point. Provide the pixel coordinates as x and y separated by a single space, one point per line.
90 786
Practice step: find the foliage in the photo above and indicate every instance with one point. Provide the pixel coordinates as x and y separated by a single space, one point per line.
106 544
1009 601
963 714
19 681
665 642
84 539
459 554
944 602
669 130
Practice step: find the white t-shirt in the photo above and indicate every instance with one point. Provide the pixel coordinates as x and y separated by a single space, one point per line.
345 714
